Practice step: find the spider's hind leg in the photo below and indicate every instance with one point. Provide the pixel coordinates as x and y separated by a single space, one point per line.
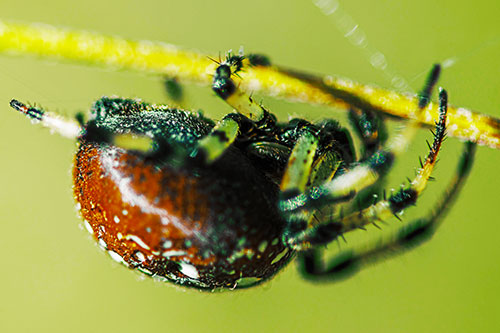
78 128
65 127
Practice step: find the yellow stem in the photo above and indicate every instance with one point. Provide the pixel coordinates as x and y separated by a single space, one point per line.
165 59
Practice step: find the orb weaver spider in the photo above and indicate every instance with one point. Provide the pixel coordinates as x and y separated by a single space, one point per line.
209 206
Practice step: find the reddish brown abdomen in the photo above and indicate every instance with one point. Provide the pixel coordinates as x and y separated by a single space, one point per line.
207 227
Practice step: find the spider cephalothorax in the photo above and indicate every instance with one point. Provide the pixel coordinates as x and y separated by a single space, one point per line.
227 205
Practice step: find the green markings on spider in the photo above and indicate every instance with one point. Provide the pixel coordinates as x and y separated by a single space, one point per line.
299 164
214 144
132 142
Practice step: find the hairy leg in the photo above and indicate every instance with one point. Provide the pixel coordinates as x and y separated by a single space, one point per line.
411 235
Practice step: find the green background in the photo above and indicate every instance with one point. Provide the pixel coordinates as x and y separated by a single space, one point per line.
54 278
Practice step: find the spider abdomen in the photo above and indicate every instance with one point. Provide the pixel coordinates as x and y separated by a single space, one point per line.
212 227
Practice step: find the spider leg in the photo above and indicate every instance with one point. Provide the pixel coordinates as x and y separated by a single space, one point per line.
221 137
64 127
300 163
413 234
212 145
365 173
303 169
384 209
369 125
249 112
75 129
370 128
174 90
226 131
306 167
224 86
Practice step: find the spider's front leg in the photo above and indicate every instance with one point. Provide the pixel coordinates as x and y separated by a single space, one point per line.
326 232
367 172
364 174
299 206
412 234
370 128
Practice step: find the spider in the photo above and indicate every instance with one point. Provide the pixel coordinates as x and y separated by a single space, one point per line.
228 205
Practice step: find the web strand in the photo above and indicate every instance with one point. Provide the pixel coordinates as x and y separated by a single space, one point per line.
352 31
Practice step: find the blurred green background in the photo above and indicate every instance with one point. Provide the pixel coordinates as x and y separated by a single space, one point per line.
54 279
